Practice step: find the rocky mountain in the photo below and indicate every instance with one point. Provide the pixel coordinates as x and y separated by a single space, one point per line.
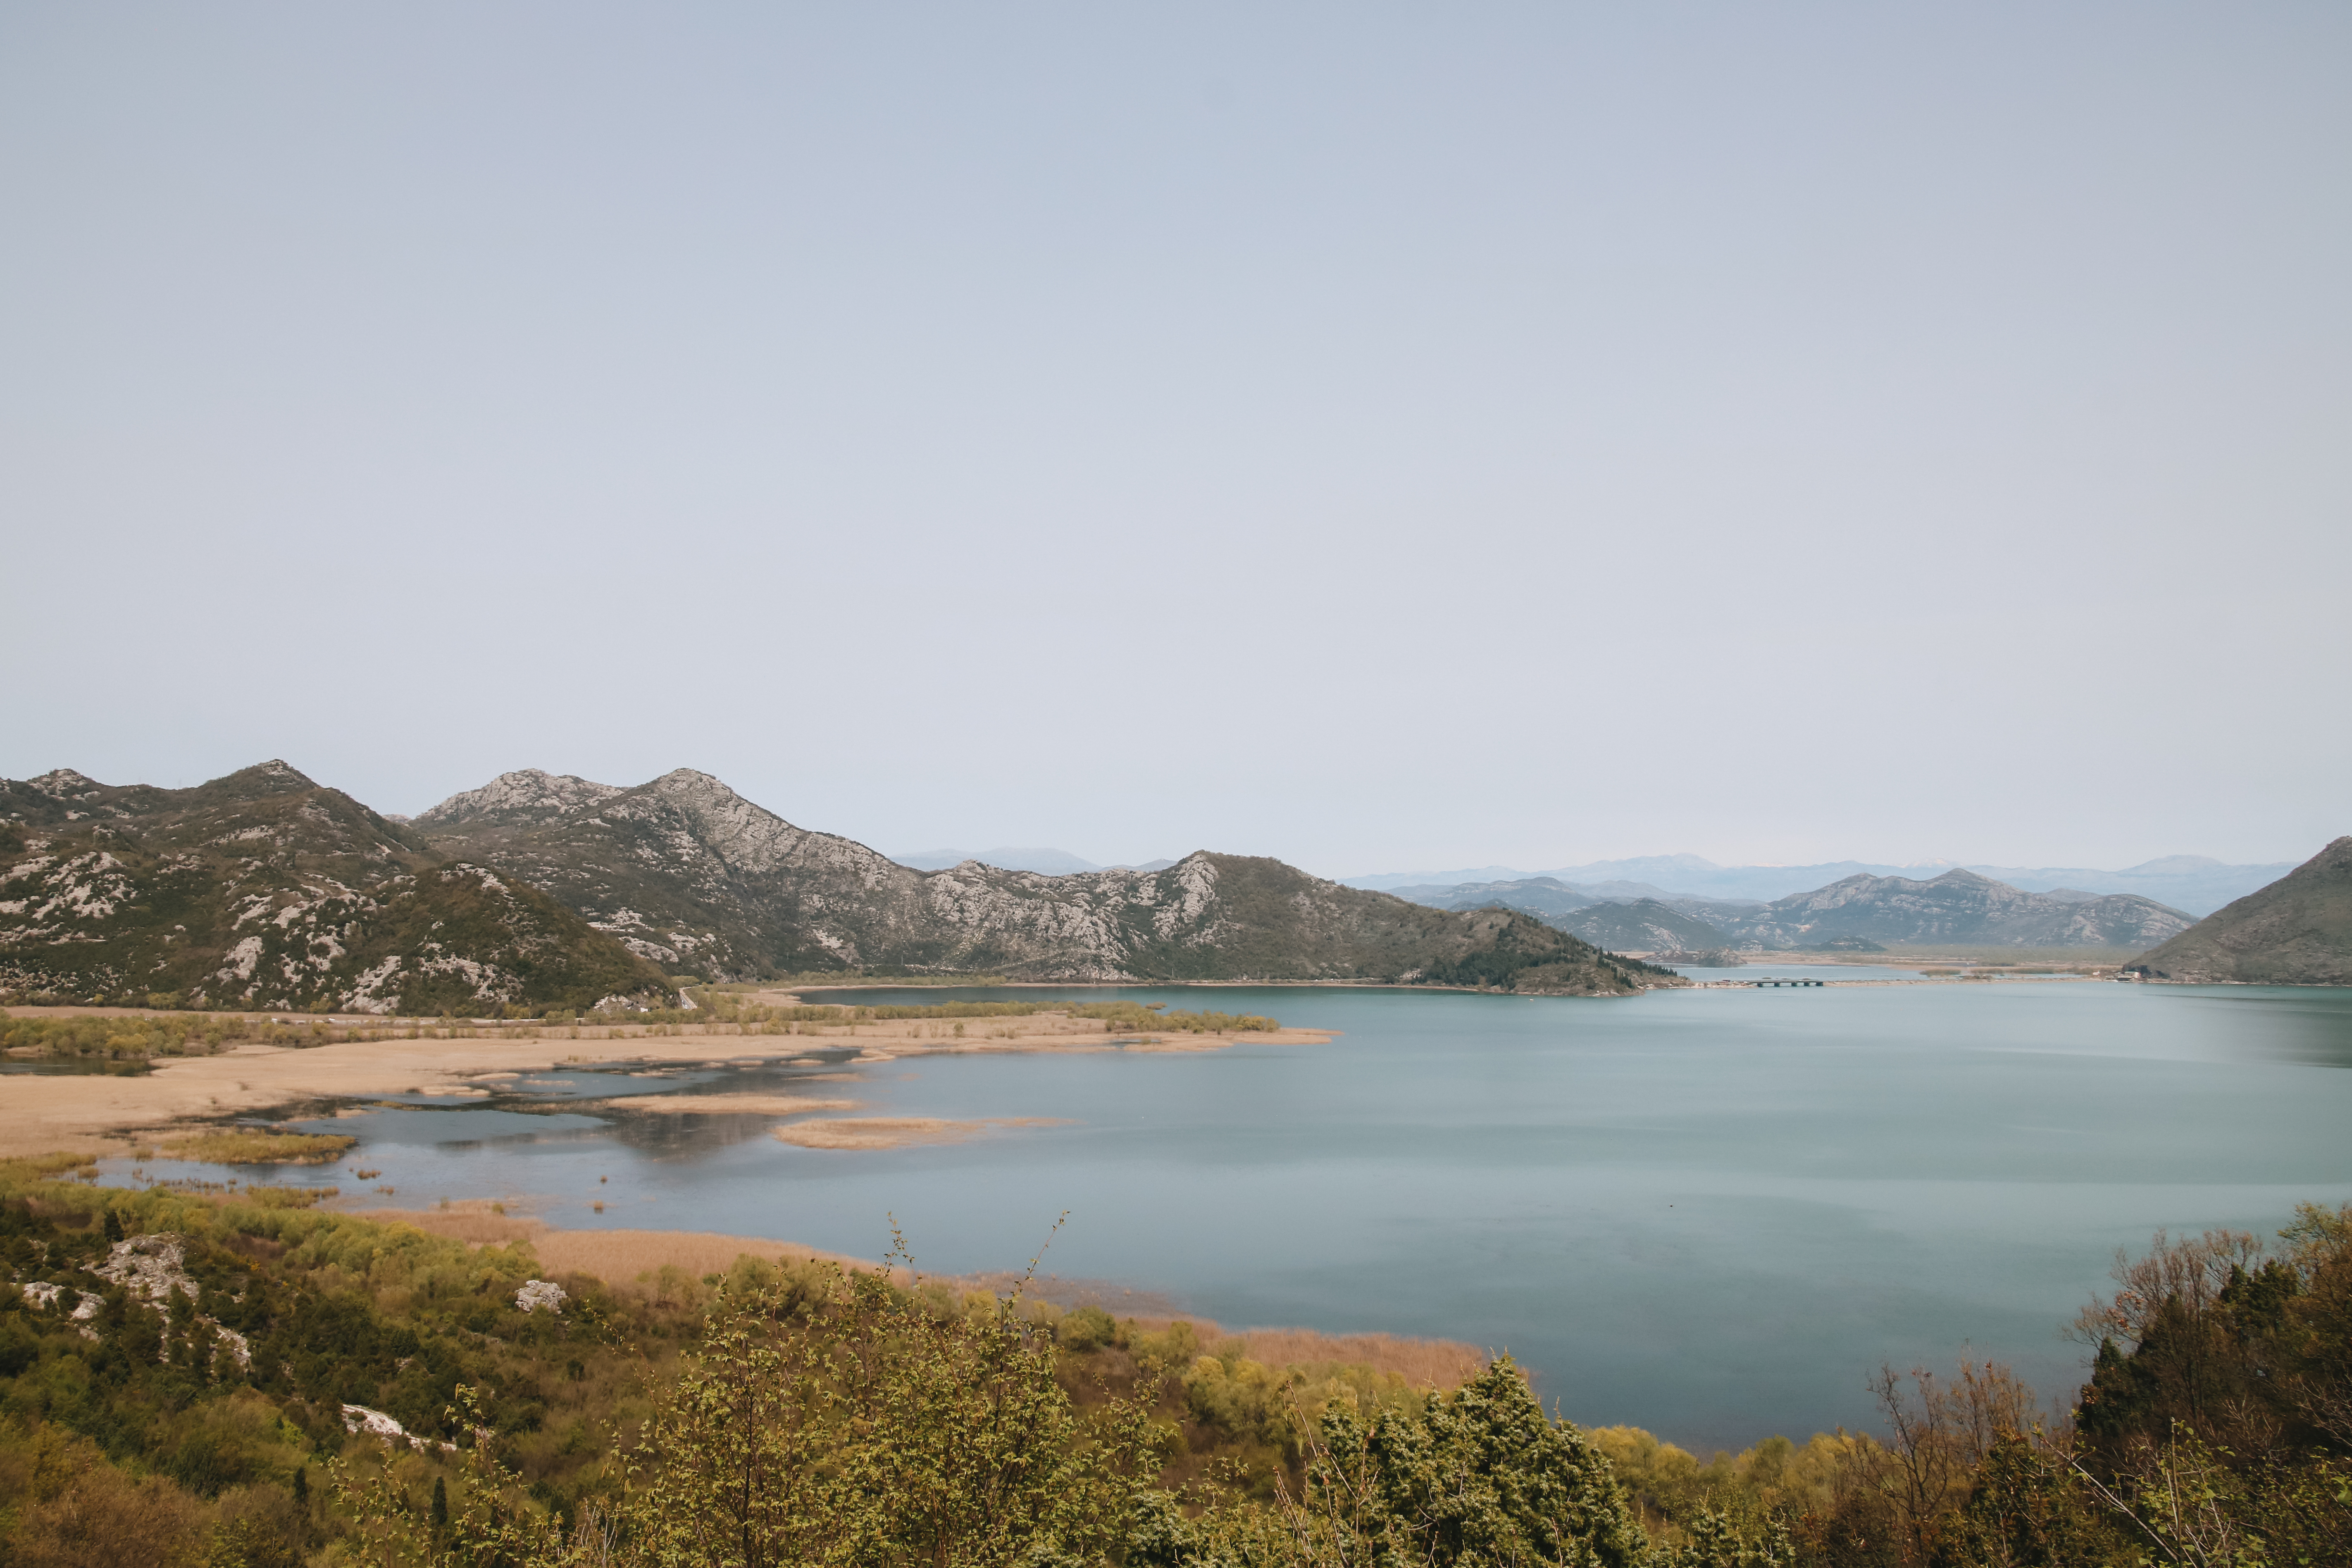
1545 896
2297 931
1013 857
684 871
1646 925
1958 907
266 889
1607 919
1551 896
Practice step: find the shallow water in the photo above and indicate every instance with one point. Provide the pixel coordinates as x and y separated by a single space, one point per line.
1709 1212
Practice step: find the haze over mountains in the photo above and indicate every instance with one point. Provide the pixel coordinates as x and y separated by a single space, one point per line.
2191 883
1854 913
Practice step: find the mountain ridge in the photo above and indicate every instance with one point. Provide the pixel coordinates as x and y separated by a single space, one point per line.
265 889
2194 884
1960 906
685 870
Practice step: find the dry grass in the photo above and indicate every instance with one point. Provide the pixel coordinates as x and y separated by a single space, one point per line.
896 1131
1424 1364
246 1146
616 1257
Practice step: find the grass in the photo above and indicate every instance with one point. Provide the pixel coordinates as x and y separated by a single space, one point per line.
250 1146
1424 1364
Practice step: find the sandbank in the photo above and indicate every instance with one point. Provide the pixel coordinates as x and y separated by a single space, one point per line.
896 1131
102 1114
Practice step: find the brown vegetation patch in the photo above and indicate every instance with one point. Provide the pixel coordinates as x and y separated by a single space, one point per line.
1424 1364
616 1257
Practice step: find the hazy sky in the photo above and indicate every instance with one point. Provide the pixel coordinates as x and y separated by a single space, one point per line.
1383 436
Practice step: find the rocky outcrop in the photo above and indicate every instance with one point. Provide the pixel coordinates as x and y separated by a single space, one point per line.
2297 931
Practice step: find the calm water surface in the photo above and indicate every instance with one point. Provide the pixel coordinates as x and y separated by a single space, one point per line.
1711 1214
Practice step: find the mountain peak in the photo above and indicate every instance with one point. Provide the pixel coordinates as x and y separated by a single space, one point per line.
526 794
275 777
63 784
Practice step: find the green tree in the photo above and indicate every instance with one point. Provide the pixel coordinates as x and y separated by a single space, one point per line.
1479 1475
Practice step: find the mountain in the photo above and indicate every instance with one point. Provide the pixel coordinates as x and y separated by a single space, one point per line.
1050 862
1645 925
2191 883
1545 896
2297 931
1957 907
1608 920
266 889
1397 881
684 870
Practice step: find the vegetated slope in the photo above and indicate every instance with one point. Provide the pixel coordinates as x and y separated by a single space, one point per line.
1545 896
1645 925
685 870
1638 925
266 889
2297 931
1956 907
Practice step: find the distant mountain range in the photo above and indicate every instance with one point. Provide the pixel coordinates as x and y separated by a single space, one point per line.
2187 882
264 890
2297 931
1959 908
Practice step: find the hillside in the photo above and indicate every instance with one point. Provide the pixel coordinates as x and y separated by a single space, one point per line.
686 871
1646 925
266 889
1545 896
2297 931
1956 907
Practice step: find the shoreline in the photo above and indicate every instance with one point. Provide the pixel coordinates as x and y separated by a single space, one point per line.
632 1253
105 1115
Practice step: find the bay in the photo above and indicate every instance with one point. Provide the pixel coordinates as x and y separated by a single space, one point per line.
1709 1212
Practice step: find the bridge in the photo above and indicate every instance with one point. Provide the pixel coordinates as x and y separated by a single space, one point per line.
1776 984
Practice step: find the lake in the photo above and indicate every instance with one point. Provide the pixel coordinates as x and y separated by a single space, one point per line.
1708 1212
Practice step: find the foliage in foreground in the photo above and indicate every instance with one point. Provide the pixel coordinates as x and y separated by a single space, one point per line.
803 1414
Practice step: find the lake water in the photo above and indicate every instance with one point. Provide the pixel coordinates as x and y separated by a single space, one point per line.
1708 1212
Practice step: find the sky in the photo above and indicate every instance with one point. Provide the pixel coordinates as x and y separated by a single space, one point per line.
1377 436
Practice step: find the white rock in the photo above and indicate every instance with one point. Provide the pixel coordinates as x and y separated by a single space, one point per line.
538 1293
